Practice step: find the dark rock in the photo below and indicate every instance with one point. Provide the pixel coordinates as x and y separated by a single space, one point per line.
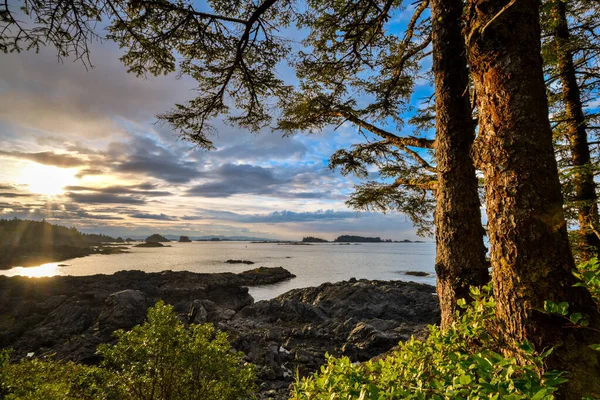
70 316
416 273
184 239
358 318
239 262
150 244
123 310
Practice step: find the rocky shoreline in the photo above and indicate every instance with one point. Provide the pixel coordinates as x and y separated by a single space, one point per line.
69 316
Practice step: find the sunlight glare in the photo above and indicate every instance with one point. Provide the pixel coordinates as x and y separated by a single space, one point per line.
47 180
49 269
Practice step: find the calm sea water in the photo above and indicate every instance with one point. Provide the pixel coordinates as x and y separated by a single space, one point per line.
312 265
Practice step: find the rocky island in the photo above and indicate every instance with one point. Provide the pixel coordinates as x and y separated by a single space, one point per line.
69 316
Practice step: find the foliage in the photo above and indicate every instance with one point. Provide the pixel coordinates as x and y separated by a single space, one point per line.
589 274
164 359
48 379
159 360
463 361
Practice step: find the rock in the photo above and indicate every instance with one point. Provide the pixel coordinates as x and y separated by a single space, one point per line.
149 245
239 262
357 318
70 316
123 310
265 276
184 239
416 273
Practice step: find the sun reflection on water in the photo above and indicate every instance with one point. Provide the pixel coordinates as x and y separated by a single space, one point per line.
49 269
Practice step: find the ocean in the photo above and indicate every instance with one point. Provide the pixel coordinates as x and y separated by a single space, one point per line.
313 265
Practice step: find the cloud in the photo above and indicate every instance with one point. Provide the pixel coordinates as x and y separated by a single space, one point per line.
230 179
149 158
159 217
47 158
144 189
14 195
283 216
104 198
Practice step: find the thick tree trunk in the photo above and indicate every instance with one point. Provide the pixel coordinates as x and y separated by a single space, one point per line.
585 189
530 255
460 252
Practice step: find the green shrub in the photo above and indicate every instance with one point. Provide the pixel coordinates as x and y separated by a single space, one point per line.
161 359
589 274
35 379
462 362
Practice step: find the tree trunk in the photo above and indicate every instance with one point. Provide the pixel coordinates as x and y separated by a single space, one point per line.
530 255
576 132
460 252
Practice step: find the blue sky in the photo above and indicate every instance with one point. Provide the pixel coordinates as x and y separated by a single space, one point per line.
82 148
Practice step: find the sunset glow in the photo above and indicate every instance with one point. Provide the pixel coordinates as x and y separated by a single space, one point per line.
46 180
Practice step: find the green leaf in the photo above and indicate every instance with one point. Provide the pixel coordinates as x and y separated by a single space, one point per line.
464 379
575 317
595 347
540 394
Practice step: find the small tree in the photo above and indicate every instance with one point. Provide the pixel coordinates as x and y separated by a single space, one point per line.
161 359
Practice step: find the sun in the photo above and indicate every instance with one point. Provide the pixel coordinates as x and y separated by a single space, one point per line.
46 180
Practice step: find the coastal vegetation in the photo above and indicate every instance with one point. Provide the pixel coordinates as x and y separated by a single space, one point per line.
26 242
159 360
312 239
360 239
511 83
156 238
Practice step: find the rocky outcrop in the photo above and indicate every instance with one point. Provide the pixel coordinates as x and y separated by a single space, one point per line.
184 239
357 318
239 262
70 316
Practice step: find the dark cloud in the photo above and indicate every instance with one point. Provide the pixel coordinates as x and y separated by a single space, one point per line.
47 158
104 198
89 171
149 158
159 217
54 211
12 195
230 179
144 189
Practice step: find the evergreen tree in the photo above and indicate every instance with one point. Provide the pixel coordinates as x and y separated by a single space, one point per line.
530 255
571 55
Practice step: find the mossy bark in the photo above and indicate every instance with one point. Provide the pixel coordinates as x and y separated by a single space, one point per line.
576 132
460 252
530 255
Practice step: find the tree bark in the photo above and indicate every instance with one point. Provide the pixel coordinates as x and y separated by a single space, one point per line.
584 186
460 252
530 255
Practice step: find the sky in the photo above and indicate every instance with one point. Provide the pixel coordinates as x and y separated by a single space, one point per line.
82 147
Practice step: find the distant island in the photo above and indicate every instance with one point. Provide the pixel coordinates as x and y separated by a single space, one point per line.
361 239
28 243
312 239
156 238
184 239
